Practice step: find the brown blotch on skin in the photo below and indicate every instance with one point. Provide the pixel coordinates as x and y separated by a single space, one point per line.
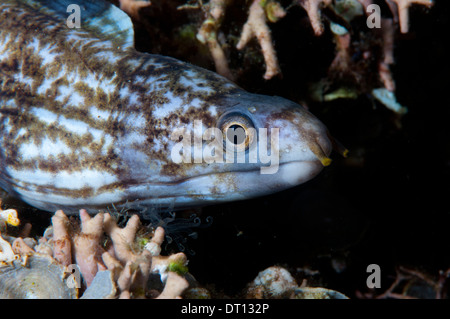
86 91
173 169
84 192
111 187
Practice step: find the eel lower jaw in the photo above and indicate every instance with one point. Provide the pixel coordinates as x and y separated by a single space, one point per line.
214 188
235 185
298 172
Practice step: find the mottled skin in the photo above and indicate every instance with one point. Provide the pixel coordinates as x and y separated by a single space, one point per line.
86 121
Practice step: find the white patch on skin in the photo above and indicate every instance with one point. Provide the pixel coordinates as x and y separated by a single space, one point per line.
281 124
47 148
157 145
6 125
30 195
106 45
124 92
10 102
192 80
228 85
74 36
5 40
73 126
44 115
108 141
205 90
150 79
77 180
134 63
48 82
134 138
21 132
196 103
108 87
138 122
50 148
91 81
47 55
99 114
34 45
4 52
184 108
166 109
161 112
85 151
133 97
96 134
185 82
120 116
76 99
4 55
295 173
74 77
191 73
139 79
19 77
116 115
107 55
213 110
50 27
81 128
64 179
63 93
108 197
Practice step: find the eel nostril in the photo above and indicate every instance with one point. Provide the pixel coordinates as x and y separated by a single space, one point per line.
320 153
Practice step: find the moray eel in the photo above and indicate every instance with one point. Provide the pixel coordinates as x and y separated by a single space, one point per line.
86 121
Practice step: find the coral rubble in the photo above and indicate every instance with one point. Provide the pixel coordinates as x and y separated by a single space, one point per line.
400 10
7 255
207 34
277 283
8 217
256 26
313 8
109 259
132 7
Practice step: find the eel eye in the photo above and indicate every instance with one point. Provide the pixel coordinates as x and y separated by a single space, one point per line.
238 132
